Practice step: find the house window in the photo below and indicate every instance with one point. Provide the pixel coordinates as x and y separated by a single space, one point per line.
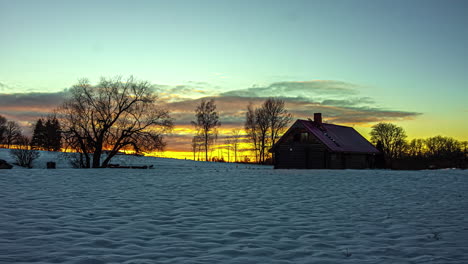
304 137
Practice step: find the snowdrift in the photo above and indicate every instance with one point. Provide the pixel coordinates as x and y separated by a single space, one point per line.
197 212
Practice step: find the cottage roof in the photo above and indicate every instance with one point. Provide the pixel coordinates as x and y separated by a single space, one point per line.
339 138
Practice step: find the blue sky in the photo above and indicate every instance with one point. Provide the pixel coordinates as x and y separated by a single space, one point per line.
404 55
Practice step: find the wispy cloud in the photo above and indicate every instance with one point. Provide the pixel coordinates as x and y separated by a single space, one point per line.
4 87
184 91
297 89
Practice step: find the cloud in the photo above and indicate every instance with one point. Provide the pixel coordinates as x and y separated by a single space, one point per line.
349 102
31 100
297 89
339 103
26 108
4 87
191 89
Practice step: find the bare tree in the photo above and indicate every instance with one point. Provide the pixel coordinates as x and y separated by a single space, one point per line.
440 146
416 147
116 115
278 118
3 122
23 153
251 129
207 122
391 138
12 133
265 125
235 140
197 144
227 146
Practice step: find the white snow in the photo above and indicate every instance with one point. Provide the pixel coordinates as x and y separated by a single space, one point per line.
197 212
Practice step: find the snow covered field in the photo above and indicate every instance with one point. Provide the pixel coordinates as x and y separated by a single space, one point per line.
196 212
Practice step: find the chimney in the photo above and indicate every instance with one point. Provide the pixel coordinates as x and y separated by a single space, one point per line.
318 118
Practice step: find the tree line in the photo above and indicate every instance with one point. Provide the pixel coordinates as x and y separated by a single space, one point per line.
433 152
46 136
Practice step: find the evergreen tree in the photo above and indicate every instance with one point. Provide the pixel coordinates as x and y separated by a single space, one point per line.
54 135
39 135
47 135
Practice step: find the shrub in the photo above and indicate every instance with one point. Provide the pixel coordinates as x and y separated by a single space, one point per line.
23 154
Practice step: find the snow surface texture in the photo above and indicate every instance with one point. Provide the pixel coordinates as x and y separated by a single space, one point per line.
197 212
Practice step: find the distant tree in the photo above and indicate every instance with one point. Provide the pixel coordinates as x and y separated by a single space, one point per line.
464 149
3 123
47 134
115 114
262 121
256 126
197 145
54 134
227 146
207 122
23 154
39 135
252 131
392 139
440 146
416 147
278 118
235 141
12 133
265 125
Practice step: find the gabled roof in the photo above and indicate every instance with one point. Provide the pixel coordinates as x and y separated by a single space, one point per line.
338 138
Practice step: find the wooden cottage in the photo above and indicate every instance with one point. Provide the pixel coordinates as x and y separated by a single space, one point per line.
315 145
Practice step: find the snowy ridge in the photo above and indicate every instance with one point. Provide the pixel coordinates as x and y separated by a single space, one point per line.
196 212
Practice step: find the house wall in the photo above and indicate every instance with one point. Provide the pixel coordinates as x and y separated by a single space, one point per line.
351 161
302 150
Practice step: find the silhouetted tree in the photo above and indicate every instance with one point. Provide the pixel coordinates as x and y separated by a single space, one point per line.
265 125
197 145
227 146
278 118
3 123
252 130
53 134
392 139
12 133
23 154
207 122
261 117
416 147
256 126
39 135
47 134
115 114
440 146
234 141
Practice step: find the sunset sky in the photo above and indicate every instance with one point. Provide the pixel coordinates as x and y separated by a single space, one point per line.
357 62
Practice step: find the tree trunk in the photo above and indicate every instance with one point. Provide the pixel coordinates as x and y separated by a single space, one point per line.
97 158
105 163
206 147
